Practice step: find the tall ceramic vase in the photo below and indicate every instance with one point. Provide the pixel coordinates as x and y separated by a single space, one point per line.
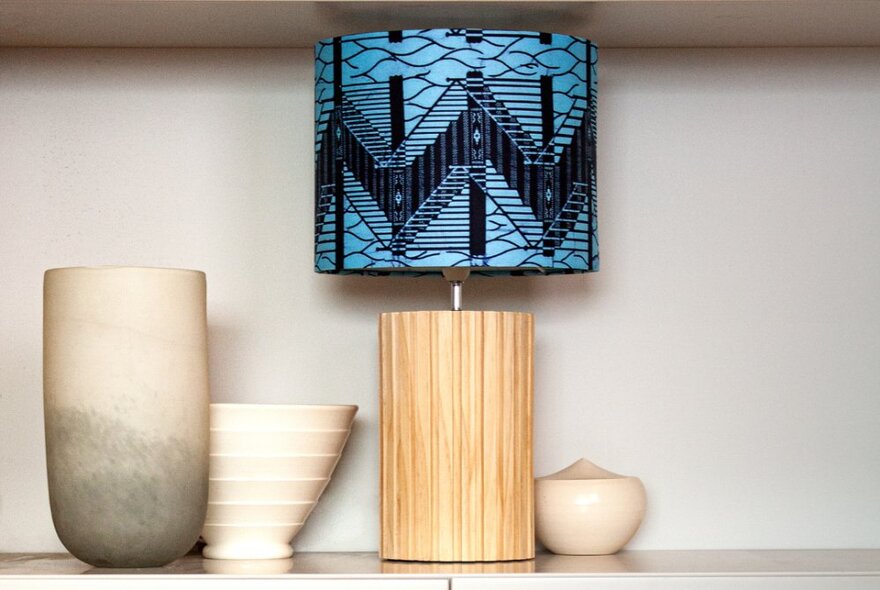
125 380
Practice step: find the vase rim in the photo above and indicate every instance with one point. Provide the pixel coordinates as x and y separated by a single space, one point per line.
274 406
111 267
279 431
272 456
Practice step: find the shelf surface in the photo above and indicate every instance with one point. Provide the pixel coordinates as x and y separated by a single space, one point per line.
368 565
290 23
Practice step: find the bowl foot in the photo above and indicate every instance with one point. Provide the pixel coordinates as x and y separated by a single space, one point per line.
247 550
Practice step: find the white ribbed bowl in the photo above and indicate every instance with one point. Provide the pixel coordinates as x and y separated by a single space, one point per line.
257 512
274 467
281 417
266 490
231 541
269 465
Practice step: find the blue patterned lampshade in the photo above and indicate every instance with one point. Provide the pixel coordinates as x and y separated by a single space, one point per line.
455 148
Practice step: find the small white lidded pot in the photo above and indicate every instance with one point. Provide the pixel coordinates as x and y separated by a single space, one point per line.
587 510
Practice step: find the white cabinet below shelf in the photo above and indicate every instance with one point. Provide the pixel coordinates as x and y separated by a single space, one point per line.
727 582
212 583
628 570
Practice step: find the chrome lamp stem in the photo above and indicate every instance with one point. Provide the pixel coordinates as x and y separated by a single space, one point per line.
456 278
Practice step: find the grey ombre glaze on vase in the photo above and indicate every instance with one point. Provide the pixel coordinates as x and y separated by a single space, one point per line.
125 383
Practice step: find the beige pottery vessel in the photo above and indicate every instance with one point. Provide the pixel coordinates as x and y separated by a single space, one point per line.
587 510
125 383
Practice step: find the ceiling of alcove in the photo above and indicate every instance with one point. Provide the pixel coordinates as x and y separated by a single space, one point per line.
286 23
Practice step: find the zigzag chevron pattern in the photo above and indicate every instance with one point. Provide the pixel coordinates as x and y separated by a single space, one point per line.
455 147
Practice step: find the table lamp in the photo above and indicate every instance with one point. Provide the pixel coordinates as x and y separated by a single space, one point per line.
449 152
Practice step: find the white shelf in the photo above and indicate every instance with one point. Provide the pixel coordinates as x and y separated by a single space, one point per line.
841 569
288 23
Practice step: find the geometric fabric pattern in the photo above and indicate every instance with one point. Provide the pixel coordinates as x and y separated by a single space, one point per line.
455 148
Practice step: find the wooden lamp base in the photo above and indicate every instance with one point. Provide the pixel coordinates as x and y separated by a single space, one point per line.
456 474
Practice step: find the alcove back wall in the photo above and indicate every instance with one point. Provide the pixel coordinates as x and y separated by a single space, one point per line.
728 352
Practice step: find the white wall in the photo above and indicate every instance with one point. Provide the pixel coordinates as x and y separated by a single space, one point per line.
728 352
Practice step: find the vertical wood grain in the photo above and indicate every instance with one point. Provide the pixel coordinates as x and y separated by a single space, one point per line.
456 469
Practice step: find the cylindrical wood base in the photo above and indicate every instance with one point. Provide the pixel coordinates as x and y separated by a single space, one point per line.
456 475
